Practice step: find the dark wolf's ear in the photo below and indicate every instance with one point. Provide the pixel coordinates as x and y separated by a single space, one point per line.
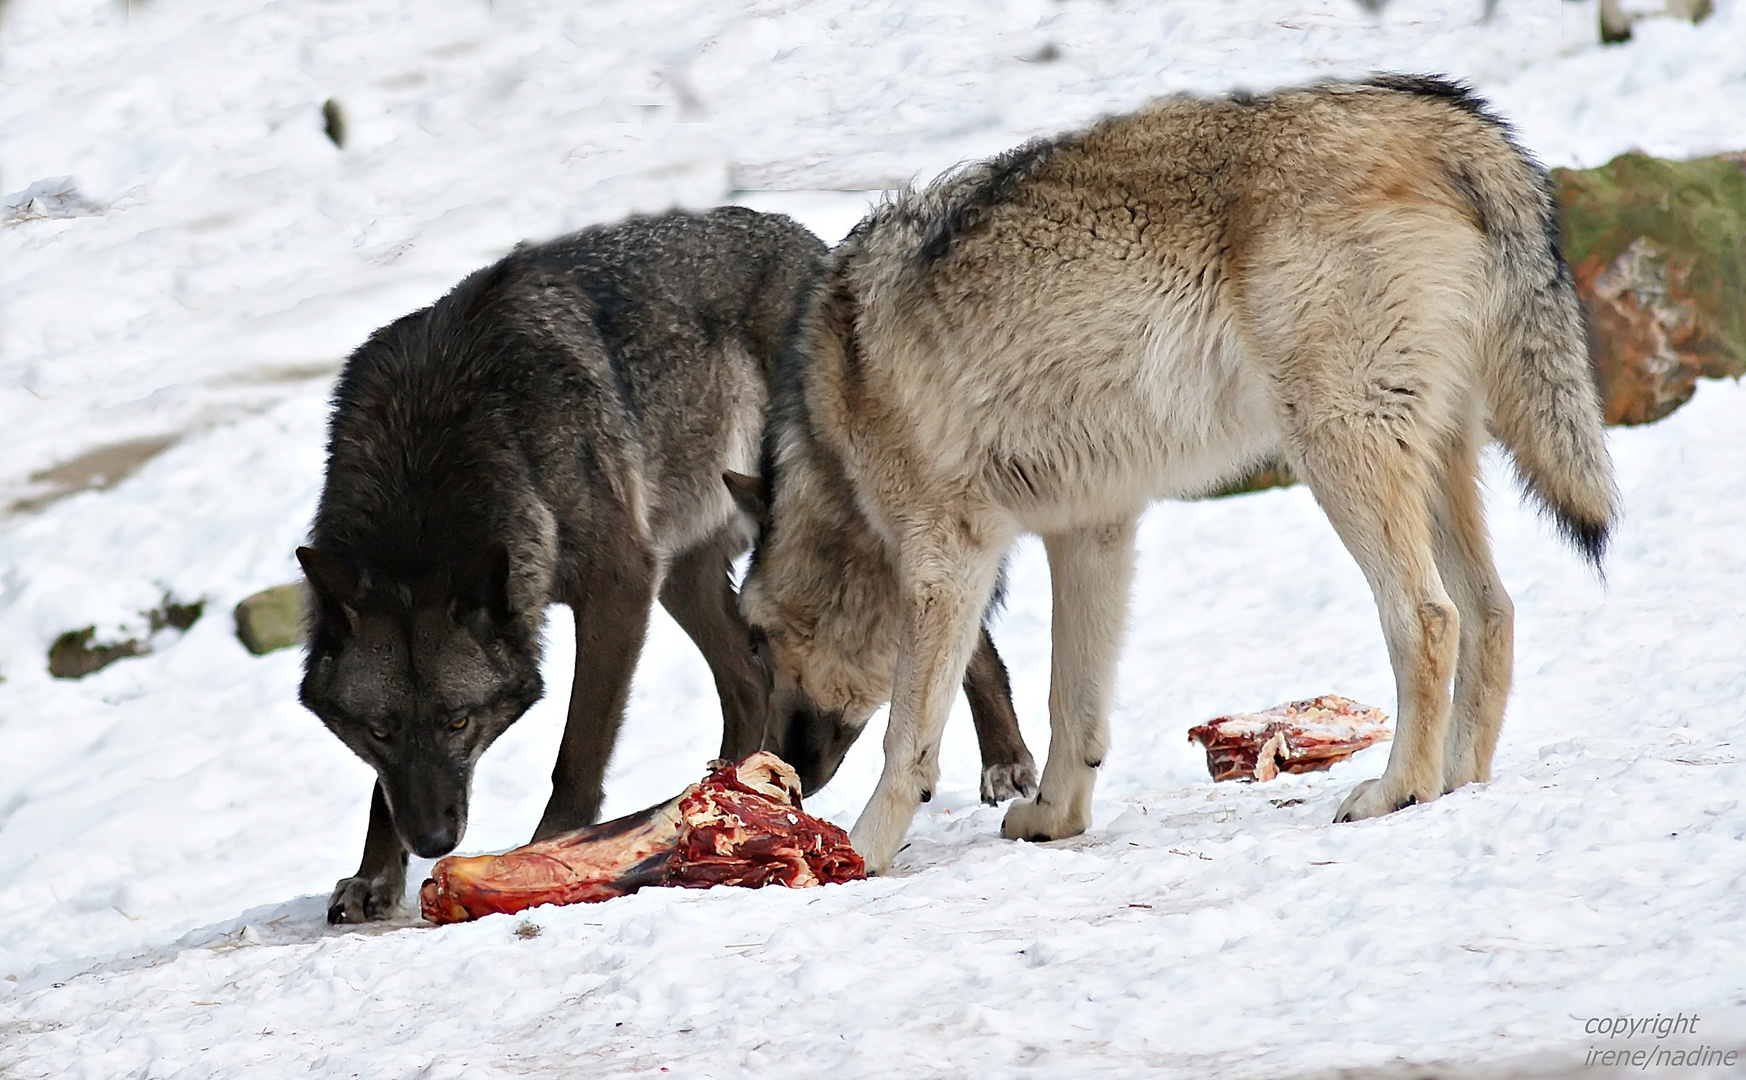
330 577
747 492
482 583
333 582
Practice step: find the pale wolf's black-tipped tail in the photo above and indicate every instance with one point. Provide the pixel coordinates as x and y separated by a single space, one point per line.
1544 405
1540 387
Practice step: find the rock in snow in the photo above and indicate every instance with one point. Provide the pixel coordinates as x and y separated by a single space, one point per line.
1658 249
272 618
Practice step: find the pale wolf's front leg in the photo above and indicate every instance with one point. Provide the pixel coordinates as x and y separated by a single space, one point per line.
1089 572
944 594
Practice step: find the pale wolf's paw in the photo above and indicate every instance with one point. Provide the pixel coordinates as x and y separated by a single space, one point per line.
878 833
1374 798
1039 821
359 899
1460 774
1014 781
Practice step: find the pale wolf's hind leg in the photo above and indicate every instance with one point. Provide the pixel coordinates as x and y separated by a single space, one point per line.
1089 574
1369 326
1482 671
946 579
1375 491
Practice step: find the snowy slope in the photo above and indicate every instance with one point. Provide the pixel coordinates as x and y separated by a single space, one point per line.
169 827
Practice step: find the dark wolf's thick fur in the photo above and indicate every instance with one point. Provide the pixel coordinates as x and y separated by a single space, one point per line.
554 430
1364 279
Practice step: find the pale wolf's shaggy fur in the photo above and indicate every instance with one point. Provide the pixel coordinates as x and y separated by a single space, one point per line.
1364 279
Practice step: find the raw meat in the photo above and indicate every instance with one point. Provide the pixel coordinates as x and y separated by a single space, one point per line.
742 825
1300 736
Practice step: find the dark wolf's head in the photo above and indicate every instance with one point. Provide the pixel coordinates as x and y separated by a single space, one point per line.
430 555
418 679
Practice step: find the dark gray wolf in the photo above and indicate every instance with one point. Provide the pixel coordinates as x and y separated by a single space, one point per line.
554 430
1363 279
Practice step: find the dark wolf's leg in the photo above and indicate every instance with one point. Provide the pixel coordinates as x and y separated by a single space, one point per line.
1008 771
374 891
700 596
611 606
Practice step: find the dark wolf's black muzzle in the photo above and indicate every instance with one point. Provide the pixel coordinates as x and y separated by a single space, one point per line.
430 810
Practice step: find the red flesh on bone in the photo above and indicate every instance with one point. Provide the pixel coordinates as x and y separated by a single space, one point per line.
1300 736
742 825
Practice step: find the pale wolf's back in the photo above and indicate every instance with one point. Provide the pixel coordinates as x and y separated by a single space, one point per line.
1187 189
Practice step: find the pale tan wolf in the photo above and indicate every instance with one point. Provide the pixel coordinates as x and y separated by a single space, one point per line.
1363 279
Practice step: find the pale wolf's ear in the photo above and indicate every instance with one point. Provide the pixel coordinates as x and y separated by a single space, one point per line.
482 583
333 582
748 494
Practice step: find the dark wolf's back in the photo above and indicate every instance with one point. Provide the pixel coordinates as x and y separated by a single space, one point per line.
525 399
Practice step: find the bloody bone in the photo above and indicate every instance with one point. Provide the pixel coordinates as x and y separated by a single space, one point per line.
594 863
742 825
1300 736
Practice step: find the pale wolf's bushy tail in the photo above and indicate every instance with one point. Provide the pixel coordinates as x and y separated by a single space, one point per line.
1540 385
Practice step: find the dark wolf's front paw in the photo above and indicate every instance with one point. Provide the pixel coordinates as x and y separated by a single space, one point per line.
1014 781
361 899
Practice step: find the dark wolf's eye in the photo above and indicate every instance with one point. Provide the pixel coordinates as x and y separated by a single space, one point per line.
379 734
458 722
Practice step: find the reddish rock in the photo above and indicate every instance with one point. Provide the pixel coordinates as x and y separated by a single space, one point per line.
1658 249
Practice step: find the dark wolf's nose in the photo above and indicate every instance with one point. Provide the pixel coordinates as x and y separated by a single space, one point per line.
437 842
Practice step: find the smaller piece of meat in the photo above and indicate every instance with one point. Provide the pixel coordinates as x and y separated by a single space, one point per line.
1299 736
742 825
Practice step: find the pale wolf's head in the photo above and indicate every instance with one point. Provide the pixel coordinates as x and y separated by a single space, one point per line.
821 596
418 679
821 600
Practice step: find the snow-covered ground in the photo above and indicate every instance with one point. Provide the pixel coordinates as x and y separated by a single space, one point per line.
170 826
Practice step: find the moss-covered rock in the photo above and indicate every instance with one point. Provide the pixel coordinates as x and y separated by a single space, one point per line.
1616 20
271 619
174 614
1658 249
1271 475
76 653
